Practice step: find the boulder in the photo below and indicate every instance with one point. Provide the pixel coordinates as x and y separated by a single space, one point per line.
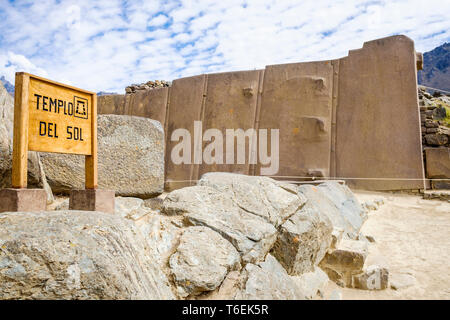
346 202
313 283
339 204
438 163
160 232
261 196
76 255
130 159
268 281
373 278
303 241
201 261
345 261
251 234
402 280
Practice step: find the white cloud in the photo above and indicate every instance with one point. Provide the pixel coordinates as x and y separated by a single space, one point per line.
108 44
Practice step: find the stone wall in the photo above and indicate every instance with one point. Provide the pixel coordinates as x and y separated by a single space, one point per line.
435 127
337 118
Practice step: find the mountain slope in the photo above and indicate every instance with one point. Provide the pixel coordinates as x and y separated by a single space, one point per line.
436 68
8 85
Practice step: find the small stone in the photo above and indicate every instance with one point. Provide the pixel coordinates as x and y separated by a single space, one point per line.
402 280
202 260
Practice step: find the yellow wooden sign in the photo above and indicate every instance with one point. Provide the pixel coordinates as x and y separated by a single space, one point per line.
53 117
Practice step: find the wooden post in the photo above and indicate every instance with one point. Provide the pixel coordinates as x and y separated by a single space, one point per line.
91 162
20 137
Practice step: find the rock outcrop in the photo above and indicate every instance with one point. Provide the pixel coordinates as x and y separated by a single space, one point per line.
202 260
76 255
251 234
130 159
230 237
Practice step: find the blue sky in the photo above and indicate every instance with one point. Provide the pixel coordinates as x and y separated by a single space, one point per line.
108 44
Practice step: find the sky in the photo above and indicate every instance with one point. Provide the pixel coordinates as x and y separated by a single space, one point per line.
107 45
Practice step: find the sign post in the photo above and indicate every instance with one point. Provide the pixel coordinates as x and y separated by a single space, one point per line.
53 117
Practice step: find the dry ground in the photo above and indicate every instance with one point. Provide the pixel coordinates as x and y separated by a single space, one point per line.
413 235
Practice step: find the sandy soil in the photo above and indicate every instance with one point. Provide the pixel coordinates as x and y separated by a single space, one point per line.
413 235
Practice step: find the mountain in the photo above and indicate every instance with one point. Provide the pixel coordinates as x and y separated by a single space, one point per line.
436 68
8 86
103 93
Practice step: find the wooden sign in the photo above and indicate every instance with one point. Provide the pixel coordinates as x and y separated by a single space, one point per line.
53 117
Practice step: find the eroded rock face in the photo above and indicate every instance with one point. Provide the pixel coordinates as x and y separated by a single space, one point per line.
346 260
303 241
251 235
261 196
76 255
202 260
312 283
268 280
130 159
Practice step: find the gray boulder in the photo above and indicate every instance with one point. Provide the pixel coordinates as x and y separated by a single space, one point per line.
261 196
76 255
201 261
35 176
130 159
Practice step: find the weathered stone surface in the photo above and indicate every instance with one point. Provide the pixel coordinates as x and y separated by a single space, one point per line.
317 199
268 280
373 278
130 159
335 295
12 199
162 234
345 261
130 208
251 234
350 255
76 255
312 283
303 241
261 196
92 200
201 261
438 162
346 202
436 139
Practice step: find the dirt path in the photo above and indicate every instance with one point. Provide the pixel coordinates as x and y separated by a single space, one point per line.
413 235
